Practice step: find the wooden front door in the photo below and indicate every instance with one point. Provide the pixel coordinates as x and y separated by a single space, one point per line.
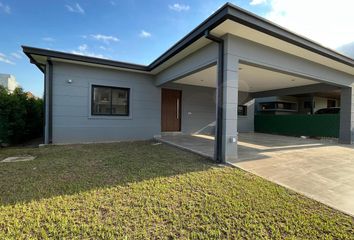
170 110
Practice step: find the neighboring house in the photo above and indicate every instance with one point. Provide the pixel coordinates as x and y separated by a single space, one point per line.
8 81
231 58
30 95
299 115
303 104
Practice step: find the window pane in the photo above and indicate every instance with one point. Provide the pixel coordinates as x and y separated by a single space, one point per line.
101 100
331 103
120 99
307 104
242 110
266 106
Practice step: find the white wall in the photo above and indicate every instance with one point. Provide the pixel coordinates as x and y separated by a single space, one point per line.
321 102
9 82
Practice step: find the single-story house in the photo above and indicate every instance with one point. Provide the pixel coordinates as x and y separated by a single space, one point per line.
231 58
297 104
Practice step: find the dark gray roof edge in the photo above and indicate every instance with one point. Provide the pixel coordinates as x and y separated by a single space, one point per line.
237 14
285 34
80 58
227 11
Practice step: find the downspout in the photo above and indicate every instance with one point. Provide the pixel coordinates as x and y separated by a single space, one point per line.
50 101
220 96
44 104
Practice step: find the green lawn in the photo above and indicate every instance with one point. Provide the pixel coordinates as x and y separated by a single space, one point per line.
142 190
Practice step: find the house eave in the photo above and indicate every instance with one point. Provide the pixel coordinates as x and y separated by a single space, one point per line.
32 51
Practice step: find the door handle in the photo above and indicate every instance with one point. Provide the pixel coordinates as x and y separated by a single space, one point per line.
177 108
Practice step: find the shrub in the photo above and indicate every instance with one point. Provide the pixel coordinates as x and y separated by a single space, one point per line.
21 118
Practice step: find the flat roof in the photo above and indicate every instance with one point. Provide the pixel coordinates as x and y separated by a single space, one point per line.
227 11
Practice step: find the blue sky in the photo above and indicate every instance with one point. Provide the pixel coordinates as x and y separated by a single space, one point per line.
135 31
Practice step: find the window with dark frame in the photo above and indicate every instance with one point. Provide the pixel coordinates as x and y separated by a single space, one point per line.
307 104
109 101
242 110
277 106
331 103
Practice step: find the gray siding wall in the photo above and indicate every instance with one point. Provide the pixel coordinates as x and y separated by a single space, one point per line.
246 123
72 121
199 108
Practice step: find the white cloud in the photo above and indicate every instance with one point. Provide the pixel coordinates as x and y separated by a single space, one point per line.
104 38
144 34
5 8
179 7
16 55
257 2
84 50
327 22
4 59
83 47
76 8
48 39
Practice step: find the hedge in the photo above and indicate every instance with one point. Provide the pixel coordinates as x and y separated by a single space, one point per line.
21 118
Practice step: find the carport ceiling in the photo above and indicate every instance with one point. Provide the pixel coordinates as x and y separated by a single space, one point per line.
251 79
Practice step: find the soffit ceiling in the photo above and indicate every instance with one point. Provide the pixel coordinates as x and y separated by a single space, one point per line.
251 79
43 60
201 42
237 29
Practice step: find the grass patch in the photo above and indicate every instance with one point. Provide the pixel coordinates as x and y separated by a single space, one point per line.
139 190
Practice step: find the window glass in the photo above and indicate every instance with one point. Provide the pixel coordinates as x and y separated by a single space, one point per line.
101 100
307 104
266 106
331 103
274 106
119 101
110 101
242 110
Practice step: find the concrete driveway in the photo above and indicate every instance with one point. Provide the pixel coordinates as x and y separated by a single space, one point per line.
322 170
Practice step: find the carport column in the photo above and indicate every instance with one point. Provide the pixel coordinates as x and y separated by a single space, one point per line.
230 102
346 130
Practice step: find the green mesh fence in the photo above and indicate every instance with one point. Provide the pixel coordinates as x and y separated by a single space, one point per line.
324 125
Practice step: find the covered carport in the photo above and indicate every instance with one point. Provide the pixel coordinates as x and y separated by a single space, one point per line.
239 53
198 120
